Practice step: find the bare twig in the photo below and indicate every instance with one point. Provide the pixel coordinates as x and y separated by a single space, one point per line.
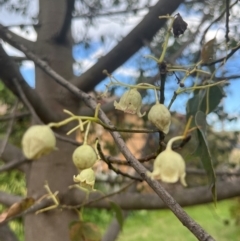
218 173
223 58
14 116
67 139
13 164
215 20
25 101
121 190
111 167
9 129
112 13
227 20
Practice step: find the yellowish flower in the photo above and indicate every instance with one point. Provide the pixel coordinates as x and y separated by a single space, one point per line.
130 102
169 166
86 179
160 116
84 157
37 141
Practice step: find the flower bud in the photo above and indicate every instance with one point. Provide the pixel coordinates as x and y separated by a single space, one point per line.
86 179
37 141
130 102
84 157
160 116
169 166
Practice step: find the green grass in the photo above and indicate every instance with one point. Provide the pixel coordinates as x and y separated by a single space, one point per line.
163 225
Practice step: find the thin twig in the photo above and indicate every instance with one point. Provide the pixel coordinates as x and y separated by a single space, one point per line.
227 20
216 20
13 164
223 58
114 160
25 100
100 198
9 129
67 139
110 13
111 167
16 116
218 173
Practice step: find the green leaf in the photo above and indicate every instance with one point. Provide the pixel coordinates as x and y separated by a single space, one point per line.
199 101
118 212
204 153
84 231
215 95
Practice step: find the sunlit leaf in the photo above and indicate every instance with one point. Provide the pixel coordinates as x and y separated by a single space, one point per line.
204 153
17 208
118 212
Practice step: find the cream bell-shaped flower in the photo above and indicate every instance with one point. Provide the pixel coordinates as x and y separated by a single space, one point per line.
86 179
160 116
37 141
130 102
84 157
169 166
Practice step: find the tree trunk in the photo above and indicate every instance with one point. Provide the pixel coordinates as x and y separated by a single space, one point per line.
57 168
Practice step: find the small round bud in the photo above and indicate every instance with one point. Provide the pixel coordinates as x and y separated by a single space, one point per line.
130 102
169 167
37 141
84 157
86 179
160 116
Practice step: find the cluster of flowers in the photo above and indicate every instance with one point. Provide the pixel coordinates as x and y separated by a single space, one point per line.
39 140
169 166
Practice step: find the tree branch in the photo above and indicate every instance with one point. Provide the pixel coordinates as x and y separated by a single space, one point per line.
6 234
9 130
13 154
137 201
129 45
14 116
61 38
9 72
8 35
9 199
